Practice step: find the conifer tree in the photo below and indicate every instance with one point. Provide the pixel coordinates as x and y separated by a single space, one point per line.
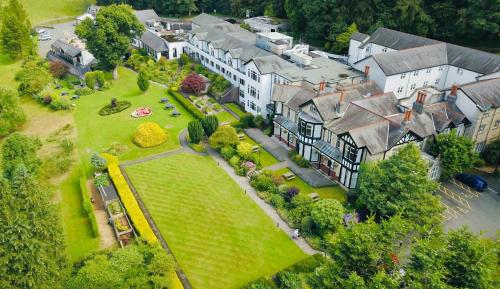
15 30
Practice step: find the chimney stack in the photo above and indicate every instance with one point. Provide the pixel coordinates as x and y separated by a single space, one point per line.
322 86
418 105
454 90
342 96
367 70
407 117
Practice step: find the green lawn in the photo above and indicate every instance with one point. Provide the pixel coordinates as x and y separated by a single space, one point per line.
266 159
97 133
235 108
8 69
43 10
225 117
76 226
331 192
220 237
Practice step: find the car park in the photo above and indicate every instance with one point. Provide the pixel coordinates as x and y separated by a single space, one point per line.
473 181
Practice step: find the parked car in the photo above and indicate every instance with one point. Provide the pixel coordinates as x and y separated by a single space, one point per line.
44 36
473 181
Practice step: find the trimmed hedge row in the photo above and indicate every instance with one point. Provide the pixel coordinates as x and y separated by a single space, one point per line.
187 104
87 207
130 203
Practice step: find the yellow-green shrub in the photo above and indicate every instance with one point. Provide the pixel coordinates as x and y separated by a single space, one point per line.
149 134
130 203
244 149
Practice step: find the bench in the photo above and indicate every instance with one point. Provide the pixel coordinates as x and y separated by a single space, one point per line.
314 197
289 176
255 149
241 136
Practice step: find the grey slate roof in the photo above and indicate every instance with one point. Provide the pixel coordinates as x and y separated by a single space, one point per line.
472 59
359 36
66 48
292 95
485 94
206 19
328 150
397 40
146 15
287 124
154 41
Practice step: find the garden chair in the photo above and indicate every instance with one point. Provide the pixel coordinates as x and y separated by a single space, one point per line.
169 106
175 113
164 100
289 176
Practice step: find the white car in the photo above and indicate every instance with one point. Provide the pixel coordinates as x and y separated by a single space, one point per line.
44 37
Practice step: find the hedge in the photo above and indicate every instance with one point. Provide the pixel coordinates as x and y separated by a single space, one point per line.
188 105
87 206
130 203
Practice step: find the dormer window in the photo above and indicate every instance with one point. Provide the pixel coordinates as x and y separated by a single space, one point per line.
403 75
384 49
415 73
460 71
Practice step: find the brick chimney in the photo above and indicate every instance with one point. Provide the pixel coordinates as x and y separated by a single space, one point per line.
454 90
418 105
322 85
338 106
367 71
406 118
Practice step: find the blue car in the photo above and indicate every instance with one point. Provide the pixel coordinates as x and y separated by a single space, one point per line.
473 181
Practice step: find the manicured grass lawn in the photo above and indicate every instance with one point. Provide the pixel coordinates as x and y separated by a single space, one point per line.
236 108
76 226
42 10
220 237
266 159
225 117
331 192
97 133
8 70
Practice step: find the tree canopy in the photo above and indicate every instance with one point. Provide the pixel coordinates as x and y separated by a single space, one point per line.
109 36
15 28
11 113
400 184
34 76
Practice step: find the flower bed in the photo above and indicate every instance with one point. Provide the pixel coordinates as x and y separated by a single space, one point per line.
118 107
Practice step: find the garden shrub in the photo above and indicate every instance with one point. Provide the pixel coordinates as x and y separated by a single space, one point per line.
186 104
58 69
99 78
298 159
234 161
291 193
210 124
259 121
60 103
244 149
198 147
301 208
307 225
67 146
227 152
193 83
143 81
84 91
130 203
224 136
247 120
262 182
90 80
241 171
101 180
328 214
195 131
277 201
116 107
261 283
288 280
12 116
98 162
87 206
307 265
149 134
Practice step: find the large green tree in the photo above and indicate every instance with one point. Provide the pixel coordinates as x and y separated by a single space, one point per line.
456 152
34 76
32 253
11 114
328 215
110 35
400 184
136 266
15 28
492 153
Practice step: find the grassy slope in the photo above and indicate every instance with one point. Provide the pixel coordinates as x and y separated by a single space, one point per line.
235 108
97 133
220 237
43 10
8 69
266 158
332 192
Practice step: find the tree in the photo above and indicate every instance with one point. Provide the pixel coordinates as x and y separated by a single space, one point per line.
20 149
456 153
98 162
33 77
193 83
328 215
32 241
195 131
492 153
244 149
412 17
224 136
15 38
110 34
12 116
136 266
143 81
342 40
58 69
100 79
400 184
210 124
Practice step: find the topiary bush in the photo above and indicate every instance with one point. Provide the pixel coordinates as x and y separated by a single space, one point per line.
195 131
115 107
83 91
224 136
244 149
149 134
210 124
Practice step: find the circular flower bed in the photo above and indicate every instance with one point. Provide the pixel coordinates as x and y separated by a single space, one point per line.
141 112
115 107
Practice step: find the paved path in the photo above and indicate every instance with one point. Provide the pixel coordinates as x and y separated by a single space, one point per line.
268 209
277 166
273 146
